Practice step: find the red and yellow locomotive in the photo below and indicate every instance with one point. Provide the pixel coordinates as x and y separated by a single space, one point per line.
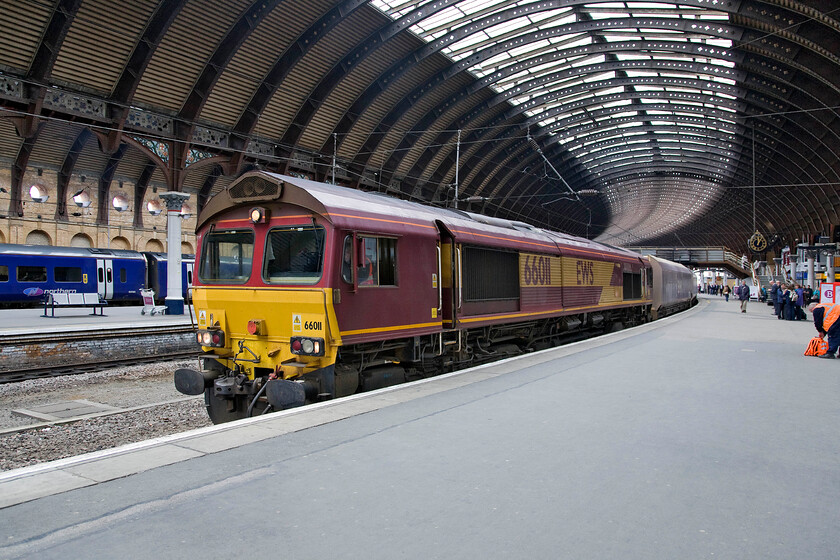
306 291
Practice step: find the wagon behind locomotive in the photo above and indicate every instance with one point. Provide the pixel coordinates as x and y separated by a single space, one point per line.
426 290
674 287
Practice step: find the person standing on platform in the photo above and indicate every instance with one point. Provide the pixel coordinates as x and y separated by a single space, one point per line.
799 294
784 300
726 291
774 297
826 323
744 295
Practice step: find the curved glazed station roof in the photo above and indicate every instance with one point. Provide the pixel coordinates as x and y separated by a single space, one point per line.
680 124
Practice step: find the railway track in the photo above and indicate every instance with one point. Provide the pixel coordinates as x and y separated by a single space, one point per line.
14 376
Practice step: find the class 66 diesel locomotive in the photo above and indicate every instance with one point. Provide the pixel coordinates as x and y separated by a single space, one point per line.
305 292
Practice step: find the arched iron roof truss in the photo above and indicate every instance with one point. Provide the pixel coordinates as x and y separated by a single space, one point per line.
679 118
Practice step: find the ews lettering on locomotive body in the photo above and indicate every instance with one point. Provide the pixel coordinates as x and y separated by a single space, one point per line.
585 273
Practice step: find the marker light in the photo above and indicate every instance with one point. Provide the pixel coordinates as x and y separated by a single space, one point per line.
255 326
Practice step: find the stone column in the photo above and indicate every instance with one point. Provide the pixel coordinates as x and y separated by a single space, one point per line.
174 296
793 259
812 277
778 262
829 267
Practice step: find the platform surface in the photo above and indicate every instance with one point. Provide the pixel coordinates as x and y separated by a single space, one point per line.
707 435
15 322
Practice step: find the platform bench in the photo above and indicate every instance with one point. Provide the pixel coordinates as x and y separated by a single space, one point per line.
51 301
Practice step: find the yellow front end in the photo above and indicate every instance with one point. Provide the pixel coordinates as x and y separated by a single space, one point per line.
260 326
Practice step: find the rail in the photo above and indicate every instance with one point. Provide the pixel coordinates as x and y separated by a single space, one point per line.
13 376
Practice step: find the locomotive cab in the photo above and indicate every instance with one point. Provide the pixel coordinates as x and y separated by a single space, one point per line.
263 305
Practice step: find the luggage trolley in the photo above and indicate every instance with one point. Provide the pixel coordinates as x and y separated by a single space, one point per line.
149 303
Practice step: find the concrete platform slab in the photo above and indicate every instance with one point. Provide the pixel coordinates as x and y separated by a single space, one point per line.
113 466
47 483
709 435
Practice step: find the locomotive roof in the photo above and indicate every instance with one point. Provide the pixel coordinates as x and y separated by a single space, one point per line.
349 208
49 250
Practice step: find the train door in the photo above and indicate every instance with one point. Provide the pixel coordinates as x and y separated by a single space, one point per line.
187 280
105 278
448 277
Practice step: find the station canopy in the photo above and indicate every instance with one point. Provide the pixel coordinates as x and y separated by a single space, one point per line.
684 124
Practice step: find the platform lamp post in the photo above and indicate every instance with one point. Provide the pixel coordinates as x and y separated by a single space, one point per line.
174 298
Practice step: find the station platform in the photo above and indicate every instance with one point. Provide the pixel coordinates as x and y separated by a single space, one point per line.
17 322
704 435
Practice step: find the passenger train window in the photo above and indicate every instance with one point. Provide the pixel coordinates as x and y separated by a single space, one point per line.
4 273
379 267
294 255
68 274
226 256
123 276
32 274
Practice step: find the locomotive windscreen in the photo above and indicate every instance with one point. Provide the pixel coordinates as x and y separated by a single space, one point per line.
226 256
294 255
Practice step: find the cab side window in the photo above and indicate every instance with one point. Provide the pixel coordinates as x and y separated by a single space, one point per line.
347 260
379 266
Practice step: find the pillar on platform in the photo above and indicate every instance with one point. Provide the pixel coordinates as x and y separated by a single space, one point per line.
778 262
812 276
174 295
793 260
829 267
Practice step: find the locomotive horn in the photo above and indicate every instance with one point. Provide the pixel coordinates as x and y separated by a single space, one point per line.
192 382
283 394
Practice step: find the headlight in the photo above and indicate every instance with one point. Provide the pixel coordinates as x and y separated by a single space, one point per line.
307 346
214 338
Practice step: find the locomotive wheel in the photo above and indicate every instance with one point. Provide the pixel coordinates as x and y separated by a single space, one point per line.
218 409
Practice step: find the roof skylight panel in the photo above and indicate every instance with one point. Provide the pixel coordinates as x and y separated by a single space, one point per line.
633 56
435 23
466 46
603 14
722 62
508 27
396 7
720 80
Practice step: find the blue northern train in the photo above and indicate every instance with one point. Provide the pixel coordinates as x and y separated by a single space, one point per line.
27 272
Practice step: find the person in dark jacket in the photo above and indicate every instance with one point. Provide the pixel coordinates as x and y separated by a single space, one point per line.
774 297
783 300
744 295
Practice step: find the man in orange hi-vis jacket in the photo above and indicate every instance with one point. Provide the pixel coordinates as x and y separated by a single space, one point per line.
826 323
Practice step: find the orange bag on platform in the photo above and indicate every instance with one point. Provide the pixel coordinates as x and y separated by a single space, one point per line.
817 347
